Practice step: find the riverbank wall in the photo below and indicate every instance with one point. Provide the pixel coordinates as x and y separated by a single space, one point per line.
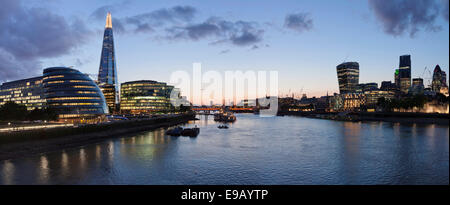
17 144
394 117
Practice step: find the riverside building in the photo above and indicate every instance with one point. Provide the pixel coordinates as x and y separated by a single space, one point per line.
26 92
73 95
348 77
107 74
146 97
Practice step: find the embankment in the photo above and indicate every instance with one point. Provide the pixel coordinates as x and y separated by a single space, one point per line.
23 143
395 117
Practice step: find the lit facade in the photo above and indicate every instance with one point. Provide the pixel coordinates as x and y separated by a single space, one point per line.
145 97
26 92
388 86
347 102
107 74
404 75
417 86
371 97
73 96
439 83
366 87
348 77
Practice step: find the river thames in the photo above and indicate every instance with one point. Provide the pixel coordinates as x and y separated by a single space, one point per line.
254 150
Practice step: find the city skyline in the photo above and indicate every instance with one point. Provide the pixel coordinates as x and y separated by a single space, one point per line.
148 47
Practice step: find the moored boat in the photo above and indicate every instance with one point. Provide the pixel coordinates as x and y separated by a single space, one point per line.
190 132
175 131
224 117
222 127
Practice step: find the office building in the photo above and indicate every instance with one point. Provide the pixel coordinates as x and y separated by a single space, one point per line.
146 97
439 83
348 77
404 74
388 86
417 86
366 87
26 92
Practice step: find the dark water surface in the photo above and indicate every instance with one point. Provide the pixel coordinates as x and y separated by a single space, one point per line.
255 150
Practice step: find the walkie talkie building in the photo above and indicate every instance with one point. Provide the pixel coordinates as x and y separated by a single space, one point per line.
107 74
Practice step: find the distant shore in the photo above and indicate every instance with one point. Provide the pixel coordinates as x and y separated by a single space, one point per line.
395 117
27 143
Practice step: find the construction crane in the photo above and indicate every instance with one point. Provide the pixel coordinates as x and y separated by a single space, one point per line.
428 78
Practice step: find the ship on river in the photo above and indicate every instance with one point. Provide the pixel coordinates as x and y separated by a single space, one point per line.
224 117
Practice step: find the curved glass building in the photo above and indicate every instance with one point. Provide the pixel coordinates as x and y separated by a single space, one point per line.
73 95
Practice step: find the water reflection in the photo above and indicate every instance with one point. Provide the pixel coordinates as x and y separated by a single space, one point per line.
65 164
351 133
8 172
277 150
43 170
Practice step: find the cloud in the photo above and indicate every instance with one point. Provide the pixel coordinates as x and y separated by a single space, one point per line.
299 22
406 16
118 25
254 47
12 68
445 9
100 13
146 22
29 34
238 33
225 51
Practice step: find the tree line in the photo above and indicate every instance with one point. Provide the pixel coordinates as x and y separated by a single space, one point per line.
12 111
416 101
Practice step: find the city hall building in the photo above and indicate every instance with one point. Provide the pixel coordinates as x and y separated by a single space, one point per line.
73 95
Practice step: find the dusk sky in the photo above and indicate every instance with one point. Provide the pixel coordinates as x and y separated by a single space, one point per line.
302 40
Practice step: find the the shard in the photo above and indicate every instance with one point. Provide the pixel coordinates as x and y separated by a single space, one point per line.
107 74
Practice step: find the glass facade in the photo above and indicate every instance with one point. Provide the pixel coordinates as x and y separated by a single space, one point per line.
439 79
107 74
348 77
373 96
366 87
404 74
417 86
26 92
73 95
145 97
388 86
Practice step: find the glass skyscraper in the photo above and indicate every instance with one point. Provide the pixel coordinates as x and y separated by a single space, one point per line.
107 74
348 77
404 74
439 80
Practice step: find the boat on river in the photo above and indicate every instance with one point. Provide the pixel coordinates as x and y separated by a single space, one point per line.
175 131
224 117
222 127
190 132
